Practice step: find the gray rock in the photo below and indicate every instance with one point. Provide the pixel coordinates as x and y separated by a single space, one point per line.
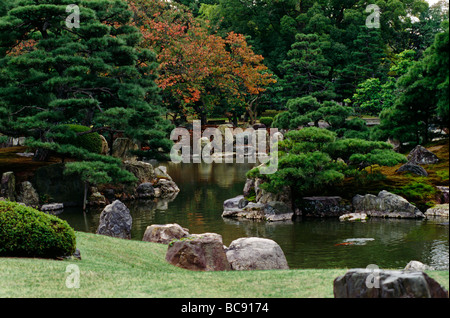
121 149
76 255
421 156
413 168
236 202
386 204
351 217
264 196
115 221
323 206
198 252
8 186
96 198
52 208
249 187
253 211
417 266
28 195
277 211
145 190
164 233
367 283
239 207
440 210
161 173
143 171
167 188
253 253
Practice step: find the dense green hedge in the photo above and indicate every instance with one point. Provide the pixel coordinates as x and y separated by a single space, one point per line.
26 232
267 121
91 142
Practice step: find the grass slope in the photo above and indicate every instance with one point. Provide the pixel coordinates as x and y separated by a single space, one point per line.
122 268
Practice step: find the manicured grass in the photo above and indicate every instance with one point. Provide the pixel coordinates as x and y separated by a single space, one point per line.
121 268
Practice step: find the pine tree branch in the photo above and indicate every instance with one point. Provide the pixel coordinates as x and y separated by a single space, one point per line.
99 129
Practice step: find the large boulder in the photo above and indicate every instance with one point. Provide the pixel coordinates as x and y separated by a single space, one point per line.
143 171
277 211
367 283
28 195
145 190
8 186
122 147
252 187
239 207
253 253
249 187
115 221
421 156
161 173
386 204
164 233
167 188
417 266
323 206
413 168
252 211
52 208
198 252
440 210
96 198
237 202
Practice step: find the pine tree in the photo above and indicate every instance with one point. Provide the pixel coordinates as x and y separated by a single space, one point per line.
306 71
53 74
424 99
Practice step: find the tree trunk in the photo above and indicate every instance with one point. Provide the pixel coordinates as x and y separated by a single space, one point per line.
41 154
235 119
85 195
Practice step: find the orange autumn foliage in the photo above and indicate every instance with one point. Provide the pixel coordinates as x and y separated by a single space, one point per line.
195 63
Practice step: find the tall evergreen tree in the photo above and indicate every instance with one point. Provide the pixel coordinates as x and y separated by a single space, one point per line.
53 74
306 71
424 99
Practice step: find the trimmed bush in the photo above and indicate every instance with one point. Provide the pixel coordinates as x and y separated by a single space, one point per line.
27 232
267 121
91 142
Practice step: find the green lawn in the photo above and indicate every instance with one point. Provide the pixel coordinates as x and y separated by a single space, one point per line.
121 268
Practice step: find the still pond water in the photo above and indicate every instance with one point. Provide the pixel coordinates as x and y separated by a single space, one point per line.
307 243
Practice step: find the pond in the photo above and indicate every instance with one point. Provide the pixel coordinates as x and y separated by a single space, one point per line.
307 243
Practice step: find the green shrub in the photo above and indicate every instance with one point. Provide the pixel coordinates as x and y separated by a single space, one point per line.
26 232
419 193
91 142
267 121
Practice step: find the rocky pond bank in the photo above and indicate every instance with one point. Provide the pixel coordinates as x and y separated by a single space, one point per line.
206 252
255 203
50 190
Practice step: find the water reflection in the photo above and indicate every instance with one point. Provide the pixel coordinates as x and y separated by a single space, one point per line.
307 243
